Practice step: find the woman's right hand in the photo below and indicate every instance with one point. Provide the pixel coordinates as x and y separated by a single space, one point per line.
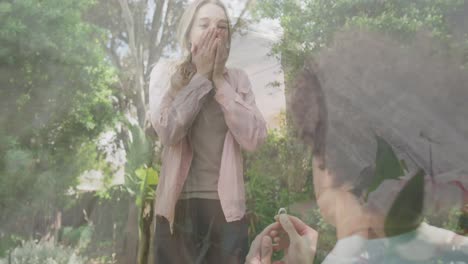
204 53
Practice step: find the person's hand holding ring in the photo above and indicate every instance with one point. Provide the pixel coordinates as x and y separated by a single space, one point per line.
299 243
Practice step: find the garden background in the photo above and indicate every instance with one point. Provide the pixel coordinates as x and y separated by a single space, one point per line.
78 164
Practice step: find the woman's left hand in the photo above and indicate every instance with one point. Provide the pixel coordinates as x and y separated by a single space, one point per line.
222 53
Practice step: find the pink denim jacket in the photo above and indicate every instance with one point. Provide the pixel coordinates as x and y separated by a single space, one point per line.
172 118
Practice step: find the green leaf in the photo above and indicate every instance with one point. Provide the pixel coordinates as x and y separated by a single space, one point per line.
147 177
153 177
139 157
147 174
387 164
143 185
141 173
405 215
5 8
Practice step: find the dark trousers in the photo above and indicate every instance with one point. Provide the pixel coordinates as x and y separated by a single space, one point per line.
201 235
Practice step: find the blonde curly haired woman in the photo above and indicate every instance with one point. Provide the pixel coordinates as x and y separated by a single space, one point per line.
204 115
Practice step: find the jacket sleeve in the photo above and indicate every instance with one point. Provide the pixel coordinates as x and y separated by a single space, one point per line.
242 116
172 115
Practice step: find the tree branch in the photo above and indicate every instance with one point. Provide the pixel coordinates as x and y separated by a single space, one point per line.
122 37
155 29
238 23
113 55
137 62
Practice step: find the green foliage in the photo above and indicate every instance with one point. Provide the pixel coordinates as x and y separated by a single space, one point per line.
148 178
31 252
31 186
456 221
78 238
139 156
55 99
55 79
278 175
8 242
140 180
310 25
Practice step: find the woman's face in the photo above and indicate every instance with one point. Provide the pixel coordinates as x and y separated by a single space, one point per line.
209 16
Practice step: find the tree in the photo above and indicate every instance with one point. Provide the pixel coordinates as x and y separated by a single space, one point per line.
310 25
138 34
56 98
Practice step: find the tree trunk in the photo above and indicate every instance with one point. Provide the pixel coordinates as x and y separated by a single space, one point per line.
130 246
144 245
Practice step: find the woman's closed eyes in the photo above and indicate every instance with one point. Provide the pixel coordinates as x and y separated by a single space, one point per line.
205 23
204 26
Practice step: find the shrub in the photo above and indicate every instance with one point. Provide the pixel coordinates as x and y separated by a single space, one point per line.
278 175
31 252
